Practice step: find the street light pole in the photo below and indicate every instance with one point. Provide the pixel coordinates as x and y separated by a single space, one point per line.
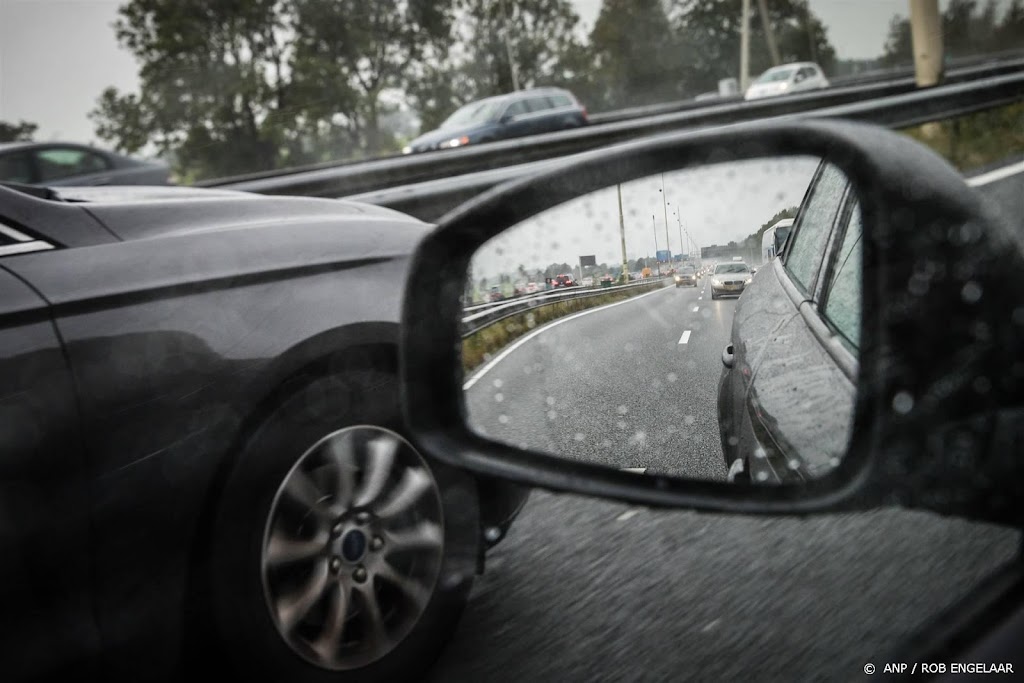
622 233
654 224
664 205
745 46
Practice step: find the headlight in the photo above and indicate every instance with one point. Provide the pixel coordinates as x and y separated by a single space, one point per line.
454 142
716 282
678 278
407 150
748 280
783 86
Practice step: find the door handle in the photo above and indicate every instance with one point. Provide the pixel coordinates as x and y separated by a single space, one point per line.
728 357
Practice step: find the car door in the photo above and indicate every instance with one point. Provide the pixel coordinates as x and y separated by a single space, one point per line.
59 165
803 79
44 520
800 401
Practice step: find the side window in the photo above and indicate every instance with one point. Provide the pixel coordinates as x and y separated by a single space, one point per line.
516 108
535 104
57 163
842 303
16 168
559 101
812 229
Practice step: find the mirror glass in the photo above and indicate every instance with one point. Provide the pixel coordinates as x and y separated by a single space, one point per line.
702 323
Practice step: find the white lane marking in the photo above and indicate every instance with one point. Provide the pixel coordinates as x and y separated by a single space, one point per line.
696 308
700 298
685 339
998 174
635 470
501 356
627 514
711 625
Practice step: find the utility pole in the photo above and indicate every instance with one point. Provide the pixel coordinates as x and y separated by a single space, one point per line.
745 47
508 48
926 35
622 233
664 205
654 224
762 8
681 243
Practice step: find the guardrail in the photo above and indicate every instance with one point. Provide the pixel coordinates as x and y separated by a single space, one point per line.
338 180
430 200
488 314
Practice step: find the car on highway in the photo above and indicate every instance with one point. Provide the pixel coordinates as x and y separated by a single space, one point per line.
587 282
562 281
57 164
730 279
532 288
686 277
202 444
787 79
514 115
821 266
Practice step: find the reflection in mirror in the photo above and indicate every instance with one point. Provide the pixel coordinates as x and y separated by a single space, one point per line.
628 327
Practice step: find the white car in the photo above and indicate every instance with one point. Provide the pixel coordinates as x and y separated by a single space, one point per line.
786 79
588 282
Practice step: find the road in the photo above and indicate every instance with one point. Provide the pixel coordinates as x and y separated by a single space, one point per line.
588 590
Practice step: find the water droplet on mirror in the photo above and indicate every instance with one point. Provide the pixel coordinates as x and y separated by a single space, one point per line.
733 441
902 402
498 383
503 419
552 415
550 400
834 462
622 410
621 424
762 476
671 377
499 397
971 292
760 453
579 436
638 438
794 464
628 348
689 420
606 443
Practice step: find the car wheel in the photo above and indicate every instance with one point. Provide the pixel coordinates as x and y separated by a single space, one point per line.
337 548
713 295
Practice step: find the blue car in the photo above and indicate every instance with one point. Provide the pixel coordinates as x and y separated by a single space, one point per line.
525 112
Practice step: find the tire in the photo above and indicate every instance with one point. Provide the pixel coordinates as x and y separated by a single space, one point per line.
713 295
335 426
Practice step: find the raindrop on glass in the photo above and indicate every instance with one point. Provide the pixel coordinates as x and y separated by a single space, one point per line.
902 402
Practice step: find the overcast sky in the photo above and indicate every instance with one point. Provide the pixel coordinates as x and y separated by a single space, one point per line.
57 56
715 204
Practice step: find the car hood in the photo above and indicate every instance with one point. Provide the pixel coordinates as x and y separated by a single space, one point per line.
135 213
434 137
767 90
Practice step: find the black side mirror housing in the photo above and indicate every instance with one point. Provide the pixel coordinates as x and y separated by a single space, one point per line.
925 432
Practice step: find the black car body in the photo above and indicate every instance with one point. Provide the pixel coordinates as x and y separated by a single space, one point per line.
65 164
786 394
525 112
143 333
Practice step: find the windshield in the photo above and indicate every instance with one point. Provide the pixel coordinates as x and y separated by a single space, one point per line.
474 114
732 268
775 75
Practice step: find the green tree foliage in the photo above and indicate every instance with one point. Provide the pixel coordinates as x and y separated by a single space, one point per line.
17 132
542 36
709 35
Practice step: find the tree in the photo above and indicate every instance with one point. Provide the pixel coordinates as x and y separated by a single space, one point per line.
637 59
541 35
349 52
17 132
966 30
899 47
709 31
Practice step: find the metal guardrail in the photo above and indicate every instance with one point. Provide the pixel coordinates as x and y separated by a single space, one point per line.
488 314
430 200
339 180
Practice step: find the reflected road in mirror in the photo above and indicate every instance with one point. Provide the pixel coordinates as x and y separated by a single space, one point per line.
669 337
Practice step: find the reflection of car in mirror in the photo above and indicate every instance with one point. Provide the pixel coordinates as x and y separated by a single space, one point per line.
730 279
774 239
686 276
786 397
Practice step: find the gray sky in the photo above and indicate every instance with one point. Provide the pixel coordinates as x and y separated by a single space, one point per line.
57 56
719 203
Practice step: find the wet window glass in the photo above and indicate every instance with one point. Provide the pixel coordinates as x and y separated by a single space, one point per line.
517 108
538 104
15 168
842 306
813 227
55 164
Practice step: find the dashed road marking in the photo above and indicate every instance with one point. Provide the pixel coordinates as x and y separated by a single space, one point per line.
627 514
685 339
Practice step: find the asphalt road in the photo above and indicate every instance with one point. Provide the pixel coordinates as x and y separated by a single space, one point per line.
634 384
587 590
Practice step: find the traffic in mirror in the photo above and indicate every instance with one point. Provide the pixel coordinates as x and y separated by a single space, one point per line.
701 323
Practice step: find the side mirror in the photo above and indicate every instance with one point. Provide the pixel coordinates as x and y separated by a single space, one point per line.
902 382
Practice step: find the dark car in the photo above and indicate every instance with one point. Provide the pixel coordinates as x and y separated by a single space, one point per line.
62 164
730 279
687 276
525 112
203 453
560 281
788 396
